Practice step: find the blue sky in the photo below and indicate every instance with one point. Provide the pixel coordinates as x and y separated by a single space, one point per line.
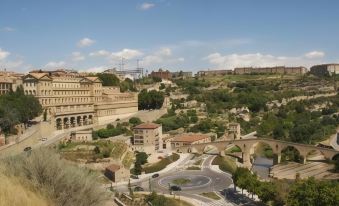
91 35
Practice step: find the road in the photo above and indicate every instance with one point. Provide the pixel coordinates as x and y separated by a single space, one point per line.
204 180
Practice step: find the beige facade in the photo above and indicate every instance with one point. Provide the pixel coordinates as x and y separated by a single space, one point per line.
147 138
81 136
9 81
214 73
71 100
189 139
325 69
271 70
234 131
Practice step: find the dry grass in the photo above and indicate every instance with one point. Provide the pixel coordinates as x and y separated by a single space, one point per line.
10 187
64 184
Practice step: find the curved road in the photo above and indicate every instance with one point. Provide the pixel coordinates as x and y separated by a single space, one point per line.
205 180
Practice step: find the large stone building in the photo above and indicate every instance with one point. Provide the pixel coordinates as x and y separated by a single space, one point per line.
9 81
325 69
147 138
181 74
161 74
214 73
72 100
270 70
189 139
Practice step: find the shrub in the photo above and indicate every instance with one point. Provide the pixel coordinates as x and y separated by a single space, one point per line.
135 121
63 183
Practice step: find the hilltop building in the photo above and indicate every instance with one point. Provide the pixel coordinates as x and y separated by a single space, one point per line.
270 70
181 74
147 138
325 69
214 73
72 100
161 74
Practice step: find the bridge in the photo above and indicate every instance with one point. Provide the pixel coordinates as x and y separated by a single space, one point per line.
247 148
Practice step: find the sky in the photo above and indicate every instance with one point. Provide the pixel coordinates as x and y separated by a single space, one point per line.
189 35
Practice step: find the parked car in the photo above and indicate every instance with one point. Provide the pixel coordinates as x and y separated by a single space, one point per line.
134 177
137 188
27 149
155 175
43 139
175 188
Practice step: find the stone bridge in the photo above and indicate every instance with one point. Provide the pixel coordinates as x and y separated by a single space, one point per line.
247 148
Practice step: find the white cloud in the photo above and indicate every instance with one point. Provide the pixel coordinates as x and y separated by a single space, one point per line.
103 53
165 51
95 69
146 6
181 59
85 42
7 29
256 60
315 54
4 54
161 57
77 56
54 64
127 54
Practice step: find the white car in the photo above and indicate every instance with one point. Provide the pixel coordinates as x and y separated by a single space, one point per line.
43 139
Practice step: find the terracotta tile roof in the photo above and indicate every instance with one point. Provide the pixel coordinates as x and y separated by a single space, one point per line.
113 167
38 75
190 138
92 78
147 126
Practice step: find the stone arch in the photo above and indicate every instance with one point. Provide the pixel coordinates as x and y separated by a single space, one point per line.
263 148
315 155
59 123
291 153
211 149
90 119
335 157
85 119
66 122
73 121
79 120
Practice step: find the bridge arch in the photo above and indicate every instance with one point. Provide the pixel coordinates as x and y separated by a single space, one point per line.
335 157
291 153
315 155
211 149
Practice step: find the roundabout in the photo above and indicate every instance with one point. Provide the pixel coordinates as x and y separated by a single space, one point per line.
186 182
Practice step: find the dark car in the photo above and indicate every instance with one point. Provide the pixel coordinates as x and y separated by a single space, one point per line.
155 175
137 189
134 177
27 149
175 188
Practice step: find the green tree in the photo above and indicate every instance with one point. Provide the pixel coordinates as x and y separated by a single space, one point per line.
108 79
137 168
141 157
150 100
135 121
313 192
162 86
267 192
